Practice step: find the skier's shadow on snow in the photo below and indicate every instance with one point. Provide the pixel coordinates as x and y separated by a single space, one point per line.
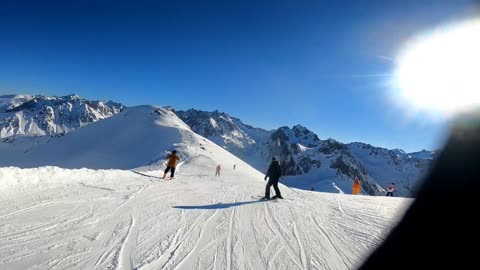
146 175
216 206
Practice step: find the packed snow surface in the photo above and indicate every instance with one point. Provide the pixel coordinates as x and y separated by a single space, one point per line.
103 205
53 218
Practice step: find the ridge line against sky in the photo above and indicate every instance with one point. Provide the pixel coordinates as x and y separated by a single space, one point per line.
322 64
234 116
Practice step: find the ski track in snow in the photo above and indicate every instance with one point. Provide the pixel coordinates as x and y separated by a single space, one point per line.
197 221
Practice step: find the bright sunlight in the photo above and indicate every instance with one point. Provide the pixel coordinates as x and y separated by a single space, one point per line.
439 72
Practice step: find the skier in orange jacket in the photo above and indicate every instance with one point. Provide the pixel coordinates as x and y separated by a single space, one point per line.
171 164
356 187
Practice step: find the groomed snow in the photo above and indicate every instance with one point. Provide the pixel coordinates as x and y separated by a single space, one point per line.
57 218
53 218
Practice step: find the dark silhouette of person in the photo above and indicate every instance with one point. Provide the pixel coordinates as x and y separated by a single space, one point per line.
273 174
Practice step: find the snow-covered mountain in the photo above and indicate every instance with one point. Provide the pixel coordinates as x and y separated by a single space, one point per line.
311 163
308 162
240 139
136 137
386 166
124 216
43 115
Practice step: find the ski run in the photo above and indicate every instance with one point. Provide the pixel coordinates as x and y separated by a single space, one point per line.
54 218
69 217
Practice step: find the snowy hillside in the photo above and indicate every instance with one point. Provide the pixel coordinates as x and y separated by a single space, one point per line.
311 163
58 218
137 136
133 137
53 218
41 115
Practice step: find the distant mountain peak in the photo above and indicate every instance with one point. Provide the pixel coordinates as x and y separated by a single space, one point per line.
42 115
299 127
72 97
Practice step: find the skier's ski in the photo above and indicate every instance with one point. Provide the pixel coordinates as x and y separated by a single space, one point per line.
274 198
262 198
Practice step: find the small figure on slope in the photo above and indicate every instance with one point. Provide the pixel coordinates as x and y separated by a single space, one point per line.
217 170
171 164
356 187
390 189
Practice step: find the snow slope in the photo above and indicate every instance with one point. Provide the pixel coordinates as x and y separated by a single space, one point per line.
141 136
53 218
57 218
137 136
34 129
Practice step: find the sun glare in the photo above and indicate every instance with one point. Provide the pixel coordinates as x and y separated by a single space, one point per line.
439 72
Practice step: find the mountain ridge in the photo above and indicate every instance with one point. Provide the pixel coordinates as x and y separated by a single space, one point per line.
303 153
38 115
308 162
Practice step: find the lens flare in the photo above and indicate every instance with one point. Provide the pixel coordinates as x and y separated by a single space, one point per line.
439 72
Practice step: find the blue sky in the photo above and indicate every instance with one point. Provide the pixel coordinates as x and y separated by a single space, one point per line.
269 63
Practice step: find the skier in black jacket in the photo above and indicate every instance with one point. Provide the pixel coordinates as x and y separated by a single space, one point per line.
273 174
